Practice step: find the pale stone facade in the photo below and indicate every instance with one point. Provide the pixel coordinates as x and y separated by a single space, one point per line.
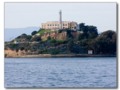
55 25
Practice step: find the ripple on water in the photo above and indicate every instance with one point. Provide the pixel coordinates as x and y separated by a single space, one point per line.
60 72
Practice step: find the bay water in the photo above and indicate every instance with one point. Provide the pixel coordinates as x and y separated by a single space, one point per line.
83 72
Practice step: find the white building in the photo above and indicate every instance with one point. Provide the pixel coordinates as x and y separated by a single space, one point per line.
90 51
56 25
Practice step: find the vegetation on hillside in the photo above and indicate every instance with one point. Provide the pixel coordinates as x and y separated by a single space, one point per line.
76 42
43 31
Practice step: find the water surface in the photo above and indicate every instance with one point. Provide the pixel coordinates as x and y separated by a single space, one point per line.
87 72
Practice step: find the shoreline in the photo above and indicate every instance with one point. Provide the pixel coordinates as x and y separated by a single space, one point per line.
61 56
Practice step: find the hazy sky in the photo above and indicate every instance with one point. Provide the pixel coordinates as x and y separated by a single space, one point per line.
20 15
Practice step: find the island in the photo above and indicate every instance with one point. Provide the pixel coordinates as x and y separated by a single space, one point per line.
64 42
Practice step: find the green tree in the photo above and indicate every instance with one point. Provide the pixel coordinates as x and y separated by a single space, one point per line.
22 48
70 45
92 32
23 38
81 26
54 51
36 38
34 32
48 38
89 32
28 37
105 43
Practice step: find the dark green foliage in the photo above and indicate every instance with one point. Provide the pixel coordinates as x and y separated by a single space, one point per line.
70 44
61 42
22 48
41 29
48 38
81 26
34 32
23 38
28 37
54 51
105 43
12 46
60 31
87 39
24 34
69 33
36 38
84 43
53 41
81 36
92 32
89 32
76 48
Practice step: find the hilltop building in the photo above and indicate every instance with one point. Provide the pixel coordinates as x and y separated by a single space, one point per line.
57 25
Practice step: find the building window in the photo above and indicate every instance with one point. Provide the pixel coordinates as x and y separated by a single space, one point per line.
64 24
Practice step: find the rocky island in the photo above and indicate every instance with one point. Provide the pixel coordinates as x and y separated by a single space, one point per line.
86 41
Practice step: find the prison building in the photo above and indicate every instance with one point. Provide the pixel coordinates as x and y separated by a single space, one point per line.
56 25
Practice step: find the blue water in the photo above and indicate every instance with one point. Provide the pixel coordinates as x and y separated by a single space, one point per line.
60 72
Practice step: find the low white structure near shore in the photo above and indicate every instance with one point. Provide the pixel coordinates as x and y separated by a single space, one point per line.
90 51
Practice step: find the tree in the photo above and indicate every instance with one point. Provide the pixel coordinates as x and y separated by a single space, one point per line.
36 38
54 51
34 32
24 34
89 31
29 37
80 36
48 38
23 38
22 48
81 26
53 41
69 34
105 43
70 45
92 32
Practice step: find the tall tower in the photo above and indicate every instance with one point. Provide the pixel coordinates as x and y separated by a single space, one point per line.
60 13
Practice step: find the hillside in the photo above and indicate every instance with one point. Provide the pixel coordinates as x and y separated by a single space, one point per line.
63 41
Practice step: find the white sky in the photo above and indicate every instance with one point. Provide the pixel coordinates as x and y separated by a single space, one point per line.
20 15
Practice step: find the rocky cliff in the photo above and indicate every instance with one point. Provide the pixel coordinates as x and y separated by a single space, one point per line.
55 35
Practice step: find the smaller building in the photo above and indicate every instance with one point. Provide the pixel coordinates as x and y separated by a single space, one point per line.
90 51
15 42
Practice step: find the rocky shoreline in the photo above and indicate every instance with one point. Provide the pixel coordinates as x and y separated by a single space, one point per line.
60 56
